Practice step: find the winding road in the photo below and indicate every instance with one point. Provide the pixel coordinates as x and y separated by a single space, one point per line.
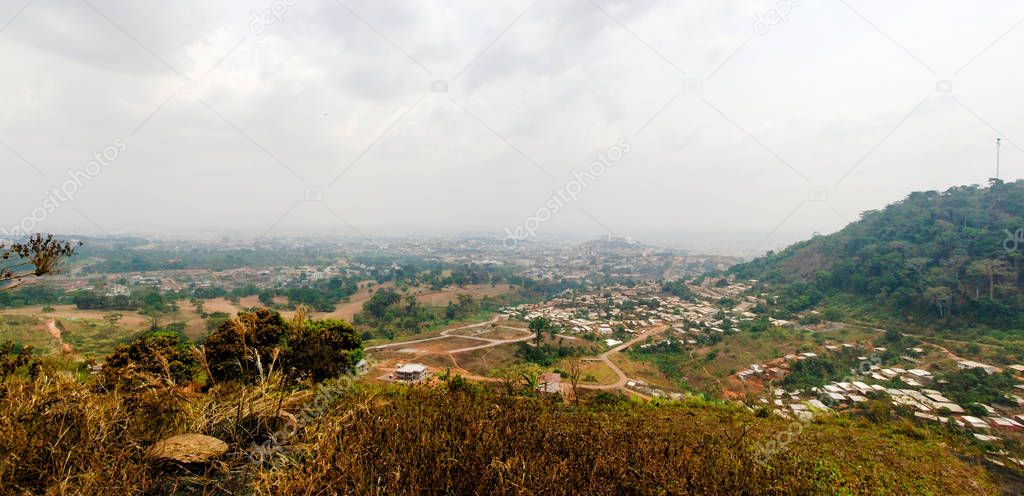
604 357
448 334
490 342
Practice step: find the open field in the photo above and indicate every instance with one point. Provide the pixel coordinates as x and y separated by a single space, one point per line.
92 338
28 331
594 372
195 325
482 362
91 334
131 320
645 371
443 297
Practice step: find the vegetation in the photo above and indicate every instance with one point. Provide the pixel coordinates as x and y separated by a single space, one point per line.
37 256
14 357
941 258
812 372
977 386
388 314
678 288
161 354
61 436
241 347
323 349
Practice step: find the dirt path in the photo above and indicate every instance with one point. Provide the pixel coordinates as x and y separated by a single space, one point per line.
490 343
54 332
604 357
445 334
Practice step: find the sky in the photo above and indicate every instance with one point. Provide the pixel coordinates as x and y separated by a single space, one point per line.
720 125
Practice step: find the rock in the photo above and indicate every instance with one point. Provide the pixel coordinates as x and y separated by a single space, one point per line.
187 449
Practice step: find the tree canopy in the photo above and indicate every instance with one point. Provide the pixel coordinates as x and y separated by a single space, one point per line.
954 255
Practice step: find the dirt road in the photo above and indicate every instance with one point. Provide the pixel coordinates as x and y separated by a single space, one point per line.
604 357
54 332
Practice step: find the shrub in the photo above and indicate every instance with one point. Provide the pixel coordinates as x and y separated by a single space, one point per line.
323 349
160 353
232 349
13 357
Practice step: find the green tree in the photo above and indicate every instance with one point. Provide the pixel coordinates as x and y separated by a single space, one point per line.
538 326
233 349
323 349
162 353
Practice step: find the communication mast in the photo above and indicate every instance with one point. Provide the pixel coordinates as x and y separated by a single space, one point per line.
999 142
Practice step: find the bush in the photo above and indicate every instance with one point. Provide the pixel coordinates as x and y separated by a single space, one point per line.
323 349
13 357
230 349
160 353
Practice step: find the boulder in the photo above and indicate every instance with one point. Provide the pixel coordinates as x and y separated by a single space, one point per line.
187 449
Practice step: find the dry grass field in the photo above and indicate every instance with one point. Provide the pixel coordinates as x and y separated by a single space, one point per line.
62 437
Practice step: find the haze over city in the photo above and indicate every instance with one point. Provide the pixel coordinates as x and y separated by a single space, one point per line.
751 124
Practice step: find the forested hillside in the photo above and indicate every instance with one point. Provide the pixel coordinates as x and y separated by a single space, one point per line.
941 257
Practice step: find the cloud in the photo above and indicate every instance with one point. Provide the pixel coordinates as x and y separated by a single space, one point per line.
535 90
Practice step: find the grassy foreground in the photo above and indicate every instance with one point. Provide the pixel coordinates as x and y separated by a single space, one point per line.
63 437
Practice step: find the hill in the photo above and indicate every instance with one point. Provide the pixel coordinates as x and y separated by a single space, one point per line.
940 258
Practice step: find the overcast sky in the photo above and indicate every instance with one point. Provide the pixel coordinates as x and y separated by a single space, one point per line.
322 116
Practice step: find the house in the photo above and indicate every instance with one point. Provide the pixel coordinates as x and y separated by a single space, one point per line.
412 372
836 397
952 407
971 364
550 383
1005 424
975 422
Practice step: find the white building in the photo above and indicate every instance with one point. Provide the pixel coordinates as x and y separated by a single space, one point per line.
412 372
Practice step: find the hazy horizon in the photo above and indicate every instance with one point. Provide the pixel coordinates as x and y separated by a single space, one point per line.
741 126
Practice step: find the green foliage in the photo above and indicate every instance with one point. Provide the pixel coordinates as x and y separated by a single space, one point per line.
811 372
232 350
323 349
935 256
977 386
546 354
678 288
161 353
540 325
33 294
381 302
13 357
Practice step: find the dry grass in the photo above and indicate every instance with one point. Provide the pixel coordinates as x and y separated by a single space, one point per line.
63 437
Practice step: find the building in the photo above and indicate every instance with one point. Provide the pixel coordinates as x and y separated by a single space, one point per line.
970 364
412 372
1005 424
550 383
